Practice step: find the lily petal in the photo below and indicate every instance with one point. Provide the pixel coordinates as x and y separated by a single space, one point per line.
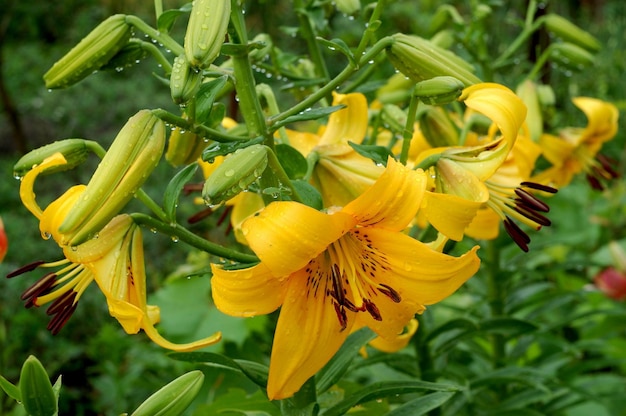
247 292
27 193
450 214
348 124
287 235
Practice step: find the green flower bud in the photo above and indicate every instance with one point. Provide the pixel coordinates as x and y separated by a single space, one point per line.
38 397
184 147
439 90
206 30
569 32
75 152
91 53
527 92
420 59
134 154
348 7
437 128
184 81
173 398
235 174
397 88
571 56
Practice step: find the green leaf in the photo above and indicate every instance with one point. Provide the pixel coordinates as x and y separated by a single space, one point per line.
38 397
338 45
238 402
10 389
308 193
312 114
173 398
223 149
168 17
509 327
332 372
379 154
205 97
422 405
292 161
174 188
385 389
256 372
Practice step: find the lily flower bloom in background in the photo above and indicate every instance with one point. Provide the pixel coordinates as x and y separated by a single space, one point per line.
576 149
335 271
4 242
114 259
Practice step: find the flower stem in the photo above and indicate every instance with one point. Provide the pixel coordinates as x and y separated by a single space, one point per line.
176 231
407 133
495 298
162 38
156 53
199 129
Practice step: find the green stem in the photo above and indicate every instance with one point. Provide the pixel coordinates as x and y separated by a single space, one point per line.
280 174
149 202
181 233
407 133
372 26
199 129
529 28
156 53
333 83
266 92
539 64
163 38
496 300
307 32
158 8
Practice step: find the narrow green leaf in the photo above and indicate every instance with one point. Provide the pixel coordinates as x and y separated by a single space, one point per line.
422 405
509 327
385 389
238 401
461 324
292 161
379 154
10 389
256 372
338 45
168 17
312 114
308 193
174 188
205 97
38 397
338 365
223 149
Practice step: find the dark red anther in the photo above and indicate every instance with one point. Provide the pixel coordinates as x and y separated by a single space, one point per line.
540 187
39 287
372 309
341 315
24 269
516 233
60 319
389 292
61 302
531 201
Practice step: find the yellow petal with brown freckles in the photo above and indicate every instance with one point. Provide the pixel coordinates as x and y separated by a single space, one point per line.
287 235
27 185
394 199
307 335
247 292
348 124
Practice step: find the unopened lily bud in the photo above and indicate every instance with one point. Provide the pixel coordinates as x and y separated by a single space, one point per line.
75 152
134 154
420 60
348 7
569 32
36 391
206 30
571 56
438 129
394 117
439 90
546 95
184 147
235 174
396 89
173 398
527 92
184 80
91 53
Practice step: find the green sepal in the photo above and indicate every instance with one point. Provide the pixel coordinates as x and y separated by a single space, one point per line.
205 97
174 188
292 161
75 152
173 398
379 154
10 389
257 373
308 115
36 390
332 372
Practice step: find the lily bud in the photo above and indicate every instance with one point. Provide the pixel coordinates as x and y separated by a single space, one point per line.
348 7
396 89
184 147
206 30
527 91
75 152
91 53
438 129
173 398
569 32
439 90
571 56
134 154
235 174
184 81
38 397
420 59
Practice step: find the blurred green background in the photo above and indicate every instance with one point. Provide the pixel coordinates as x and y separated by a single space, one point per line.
107 372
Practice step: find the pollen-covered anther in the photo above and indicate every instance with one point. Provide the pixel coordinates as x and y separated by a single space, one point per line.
517 234
601 171
389 292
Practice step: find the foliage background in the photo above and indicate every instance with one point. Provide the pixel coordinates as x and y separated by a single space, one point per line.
579 335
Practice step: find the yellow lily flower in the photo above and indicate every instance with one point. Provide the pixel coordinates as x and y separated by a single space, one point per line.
114 260
332 272
576 149
340 174
4 242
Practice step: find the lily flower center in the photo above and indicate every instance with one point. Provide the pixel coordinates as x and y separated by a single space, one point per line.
518 203
348 272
